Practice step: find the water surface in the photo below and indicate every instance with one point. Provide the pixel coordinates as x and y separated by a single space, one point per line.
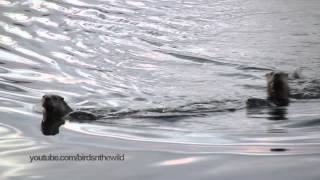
186 67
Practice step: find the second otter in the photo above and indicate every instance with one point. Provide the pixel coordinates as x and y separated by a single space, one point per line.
277 91
278 88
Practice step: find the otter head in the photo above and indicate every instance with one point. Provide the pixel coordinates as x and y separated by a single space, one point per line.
278 89
55 105
55 108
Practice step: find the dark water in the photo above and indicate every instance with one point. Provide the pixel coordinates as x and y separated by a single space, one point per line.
186 67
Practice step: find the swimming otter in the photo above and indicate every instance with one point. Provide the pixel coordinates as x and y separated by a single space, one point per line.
278 88
56 110
277 91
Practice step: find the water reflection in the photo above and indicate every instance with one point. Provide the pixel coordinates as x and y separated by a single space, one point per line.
200 61
14 152
12 141
8 87
270 113
177 162
277 113
7 131
146 55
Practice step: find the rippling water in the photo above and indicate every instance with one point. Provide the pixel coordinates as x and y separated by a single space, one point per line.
186 67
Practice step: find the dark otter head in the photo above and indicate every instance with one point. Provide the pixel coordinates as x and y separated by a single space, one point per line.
55 105
278 88
55 108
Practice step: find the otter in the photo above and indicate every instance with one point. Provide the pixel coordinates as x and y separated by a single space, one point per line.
56 110
277 91
278 88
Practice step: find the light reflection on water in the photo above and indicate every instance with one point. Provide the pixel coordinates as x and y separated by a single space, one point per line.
177 162
196 61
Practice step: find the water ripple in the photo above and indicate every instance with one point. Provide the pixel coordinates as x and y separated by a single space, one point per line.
179 71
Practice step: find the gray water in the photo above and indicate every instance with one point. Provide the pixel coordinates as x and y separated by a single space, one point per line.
187 67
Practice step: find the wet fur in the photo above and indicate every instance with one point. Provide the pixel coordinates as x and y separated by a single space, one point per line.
55 108
278 88
277 92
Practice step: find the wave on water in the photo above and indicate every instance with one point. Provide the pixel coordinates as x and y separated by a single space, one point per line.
177 65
